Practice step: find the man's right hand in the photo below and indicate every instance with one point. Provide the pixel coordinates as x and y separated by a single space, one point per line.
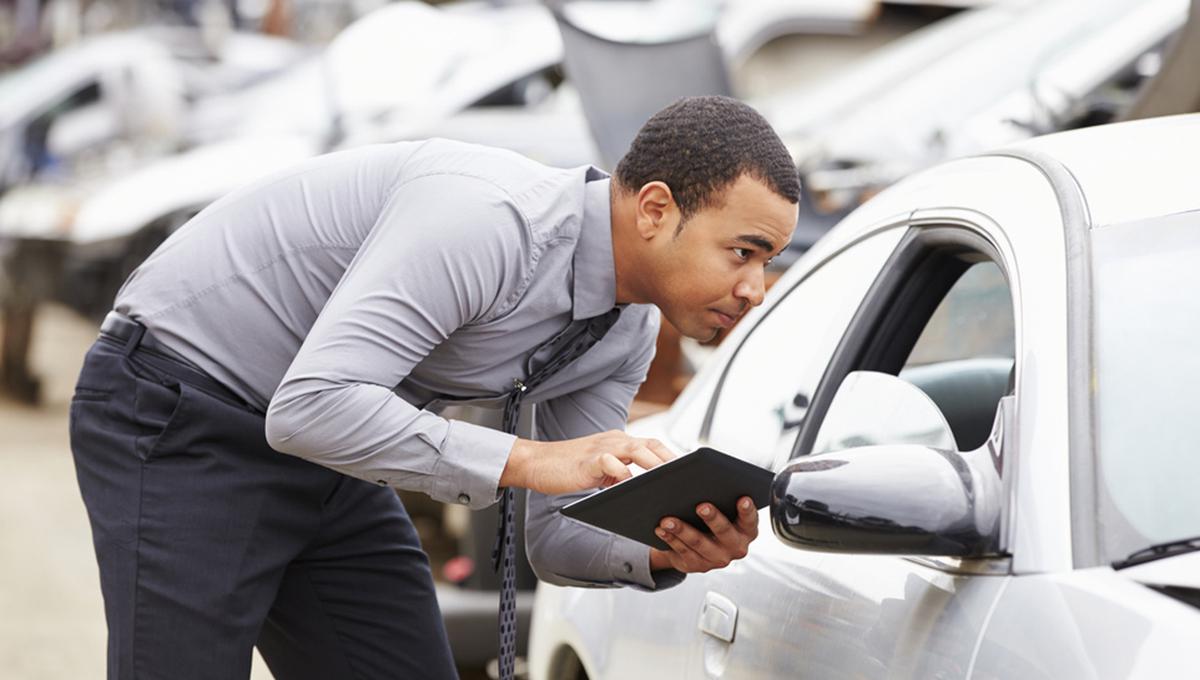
598 460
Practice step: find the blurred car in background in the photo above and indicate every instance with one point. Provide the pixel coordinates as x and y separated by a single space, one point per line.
105 104
404 60
974 394
132 88
553 130
981 78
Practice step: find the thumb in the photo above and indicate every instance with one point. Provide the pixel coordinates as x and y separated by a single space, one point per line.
613 468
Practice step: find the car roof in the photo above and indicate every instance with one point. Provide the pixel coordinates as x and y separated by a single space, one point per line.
1123 172
1128 171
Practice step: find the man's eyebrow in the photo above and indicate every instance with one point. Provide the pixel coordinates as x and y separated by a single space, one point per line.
758 241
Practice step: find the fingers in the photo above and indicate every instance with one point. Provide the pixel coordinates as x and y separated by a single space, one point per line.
713 554
686 559
731 542
613 468
722 530
641 453
659 449
698 552
747 517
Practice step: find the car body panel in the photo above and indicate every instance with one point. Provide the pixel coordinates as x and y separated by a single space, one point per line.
1090 623
854 616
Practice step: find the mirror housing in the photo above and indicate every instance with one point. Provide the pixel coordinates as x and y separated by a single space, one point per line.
887 478
894 500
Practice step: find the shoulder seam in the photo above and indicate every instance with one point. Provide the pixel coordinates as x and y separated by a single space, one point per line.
536 248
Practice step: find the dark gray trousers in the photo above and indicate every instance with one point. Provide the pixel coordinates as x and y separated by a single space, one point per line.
209 542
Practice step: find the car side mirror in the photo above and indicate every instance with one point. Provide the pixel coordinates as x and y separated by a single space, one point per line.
891 481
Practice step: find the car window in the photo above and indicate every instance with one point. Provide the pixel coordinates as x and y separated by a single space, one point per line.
1143 382
974 320
964 355
762 402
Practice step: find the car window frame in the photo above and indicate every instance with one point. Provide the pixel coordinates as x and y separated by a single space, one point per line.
859 349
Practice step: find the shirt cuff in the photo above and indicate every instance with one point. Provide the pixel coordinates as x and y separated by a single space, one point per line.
468 469
629 563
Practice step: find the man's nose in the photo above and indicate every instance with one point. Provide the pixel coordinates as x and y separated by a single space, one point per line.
752 288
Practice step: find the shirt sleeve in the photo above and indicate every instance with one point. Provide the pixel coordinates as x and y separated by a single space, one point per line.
564 551
446 251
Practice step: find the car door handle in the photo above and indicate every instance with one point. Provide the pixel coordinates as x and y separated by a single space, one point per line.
719 617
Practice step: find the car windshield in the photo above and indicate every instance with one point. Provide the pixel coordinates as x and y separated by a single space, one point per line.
1147 368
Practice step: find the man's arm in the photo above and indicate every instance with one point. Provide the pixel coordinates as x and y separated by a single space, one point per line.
562 550
433 263
447 251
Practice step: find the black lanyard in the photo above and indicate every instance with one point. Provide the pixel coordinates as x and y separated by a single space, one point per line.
565 347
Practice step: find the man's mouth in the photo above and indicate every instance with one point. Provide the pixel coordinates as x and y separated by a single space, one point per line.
723 319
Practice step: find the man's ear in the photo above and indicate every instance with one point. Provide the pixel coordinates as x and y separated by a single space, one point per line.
657 212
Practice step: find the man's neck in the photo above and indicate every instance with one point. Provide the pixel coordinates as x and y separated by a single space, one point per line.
623 207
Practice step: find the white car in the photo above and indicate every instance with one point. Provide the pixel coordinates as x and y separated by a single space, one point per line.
131 88
976 394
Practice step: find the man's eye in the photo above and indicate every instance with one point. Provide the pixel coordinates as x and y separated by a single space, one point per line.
742 253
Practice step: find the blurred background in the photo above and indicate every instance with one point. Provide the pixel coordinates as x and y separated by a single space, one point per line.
120 119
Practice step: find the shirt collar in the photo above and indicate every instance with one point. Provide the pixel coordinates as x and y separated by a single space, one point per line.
594 289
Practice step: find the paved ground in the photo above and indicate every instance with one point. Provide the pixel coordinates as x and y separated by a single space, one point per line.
51 617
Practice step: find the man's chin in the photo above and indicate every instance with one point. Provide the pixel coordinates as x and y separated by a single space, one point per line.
701 333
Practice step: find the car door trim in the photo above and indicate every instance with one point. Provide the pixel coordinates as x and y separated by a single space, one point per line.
1077 222
913 247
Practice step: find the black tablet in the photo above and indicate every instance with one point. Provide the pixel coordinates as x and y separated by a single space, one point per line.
634 507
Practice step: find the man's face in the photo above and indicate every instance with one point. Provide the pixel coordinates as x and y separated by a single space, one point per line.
711 272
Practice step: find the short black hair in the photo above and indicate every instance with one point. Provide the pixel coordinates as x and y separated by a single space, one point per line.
698 146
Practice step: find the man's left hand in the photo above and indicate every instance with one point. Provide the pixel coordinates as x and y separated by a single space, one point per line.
695 552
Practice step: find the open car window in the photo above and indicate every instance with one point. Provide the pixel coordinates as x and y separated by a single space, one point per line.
940 317
963 358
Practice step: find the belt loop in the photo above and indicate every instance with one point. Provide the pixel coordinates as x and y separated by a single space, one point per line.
135 338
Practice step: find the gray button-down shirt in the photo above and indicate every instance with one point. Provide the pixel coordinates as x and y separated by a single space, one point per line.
354 295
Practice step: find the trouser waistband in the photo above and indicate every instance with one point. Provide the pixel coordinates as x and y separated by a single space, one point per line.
133 337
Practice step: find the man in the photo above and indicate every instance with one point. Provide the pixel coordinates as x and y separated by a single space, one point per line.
329 311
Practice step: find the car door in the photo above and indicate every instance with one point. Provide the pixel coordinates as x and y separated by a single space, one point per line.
939 315
653 634
755 411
